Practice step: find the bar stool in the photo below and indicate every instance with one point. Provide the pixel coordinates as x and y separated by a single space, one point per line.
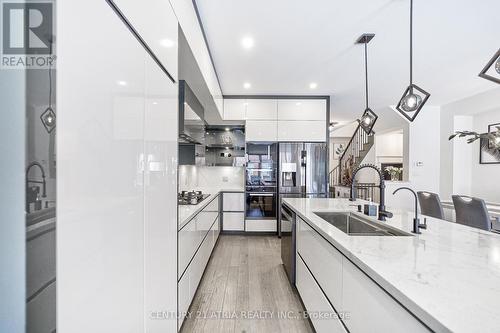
430 204
472 212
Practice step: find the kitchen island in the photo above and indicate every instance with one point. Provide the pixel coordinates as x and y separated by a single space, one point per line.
446 279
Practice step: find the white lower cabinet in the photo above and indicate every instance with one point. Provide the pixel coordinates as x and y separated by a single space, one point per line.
370 308
324 261
321 313
233 221
261 225
190 280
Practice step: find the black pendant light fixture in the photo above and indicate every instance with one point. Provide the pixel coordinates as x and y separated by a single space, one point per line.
414 97
369 117
492 69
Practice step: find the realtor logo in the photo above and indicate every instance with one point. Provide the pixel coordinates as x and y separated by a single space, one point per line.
27 34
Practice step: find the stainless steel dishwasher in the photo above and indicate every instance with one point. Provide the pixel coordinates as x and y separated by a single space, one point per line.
288 241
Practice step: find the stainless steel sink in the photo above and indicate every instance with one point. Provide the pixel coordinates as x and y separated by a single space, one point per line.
354 225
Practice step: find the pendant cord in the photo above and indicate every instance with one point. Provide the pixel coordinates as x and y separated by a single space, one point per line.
50 78
411 42
366 73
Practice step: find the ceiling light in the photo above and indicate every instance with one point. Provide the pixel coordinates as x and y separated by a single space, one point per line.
247 85
167 42
493 75
414 97
298 103
122 83
227 129
369 117
313 85
247 42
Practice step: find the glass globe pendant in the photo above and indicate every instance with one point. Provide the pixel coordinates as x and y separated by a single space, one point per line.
411 102
497 66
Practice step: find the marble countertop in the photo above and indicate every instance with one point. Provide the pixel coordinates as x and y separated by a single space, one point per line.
449 276
186 212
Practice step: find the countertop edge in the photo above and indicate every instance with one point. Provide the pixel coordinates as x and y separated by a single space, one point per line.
423 316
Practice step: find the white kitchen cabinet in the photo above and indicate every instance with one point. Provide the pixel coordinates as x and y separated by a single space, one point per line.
316 303
157 24
234 109
184 299
100 188
233 202
233 221
261 226
261 109
324 261
306 109
303 130
188 20
261 130
371 308
191 278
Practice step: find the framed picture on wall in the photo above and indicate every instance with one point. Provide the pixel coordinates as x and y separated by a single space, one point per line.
488 154
492 128
338 150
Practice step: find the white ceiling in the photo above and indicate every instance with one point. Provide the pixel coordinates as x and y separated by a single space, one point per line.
298 42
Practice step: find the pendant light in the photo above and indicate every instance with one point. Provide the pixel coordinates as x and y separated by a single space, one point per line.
414 97
369 117
492 69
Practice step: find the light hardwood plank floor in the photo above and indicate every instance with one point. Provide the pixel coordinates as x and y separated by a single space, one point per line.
245 289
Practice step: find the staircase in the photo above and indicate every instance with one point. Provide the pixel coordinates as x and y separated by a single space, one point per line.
354 153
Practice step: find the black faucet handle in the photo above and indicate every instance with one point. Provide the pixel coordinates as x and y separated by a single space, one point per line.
386 214
423 225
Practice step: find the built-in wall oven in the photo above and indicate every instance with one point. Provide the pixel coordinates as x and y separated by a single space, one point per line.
288 241
261 183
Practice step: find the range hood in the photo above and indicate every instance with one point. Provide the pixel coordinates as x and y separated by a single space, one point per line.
191 116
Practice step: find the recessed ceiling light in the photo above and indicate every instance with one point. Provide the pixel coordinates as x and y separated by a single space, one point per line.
167 42
227 129
247 42
247 85
313 85
122 83
298 103
155 103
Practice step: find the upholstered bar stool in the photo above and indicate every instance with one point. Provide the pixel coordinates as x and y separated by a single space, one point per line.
430 204
472 212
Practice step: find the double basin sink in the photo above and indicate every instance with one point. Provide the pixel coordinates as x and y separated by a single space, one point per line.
354 225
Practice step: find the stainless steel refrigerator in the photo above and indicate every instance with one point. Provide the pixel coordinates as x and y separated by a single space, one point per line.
302 173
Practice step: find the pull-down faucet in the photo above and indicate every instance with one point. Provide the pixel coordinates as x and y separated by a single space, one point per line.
416 221
32 196
382 213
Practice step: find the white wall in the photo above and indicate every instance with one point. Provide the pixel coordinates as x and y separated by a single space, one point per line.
460 169
485 177
210 178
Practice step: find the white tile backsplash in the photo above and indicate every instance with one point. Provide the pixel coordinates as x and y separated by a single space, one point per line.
209 177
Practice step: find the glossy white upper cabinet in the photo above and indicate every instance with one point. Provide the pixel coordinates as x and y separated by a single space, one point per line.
186 15
100 191
305 130
157 25
160 194
117 157
297 109
261 130
234 109
262 109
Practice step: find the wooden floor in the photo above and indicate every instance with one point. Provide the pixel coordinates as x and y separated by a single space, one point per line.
245 289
